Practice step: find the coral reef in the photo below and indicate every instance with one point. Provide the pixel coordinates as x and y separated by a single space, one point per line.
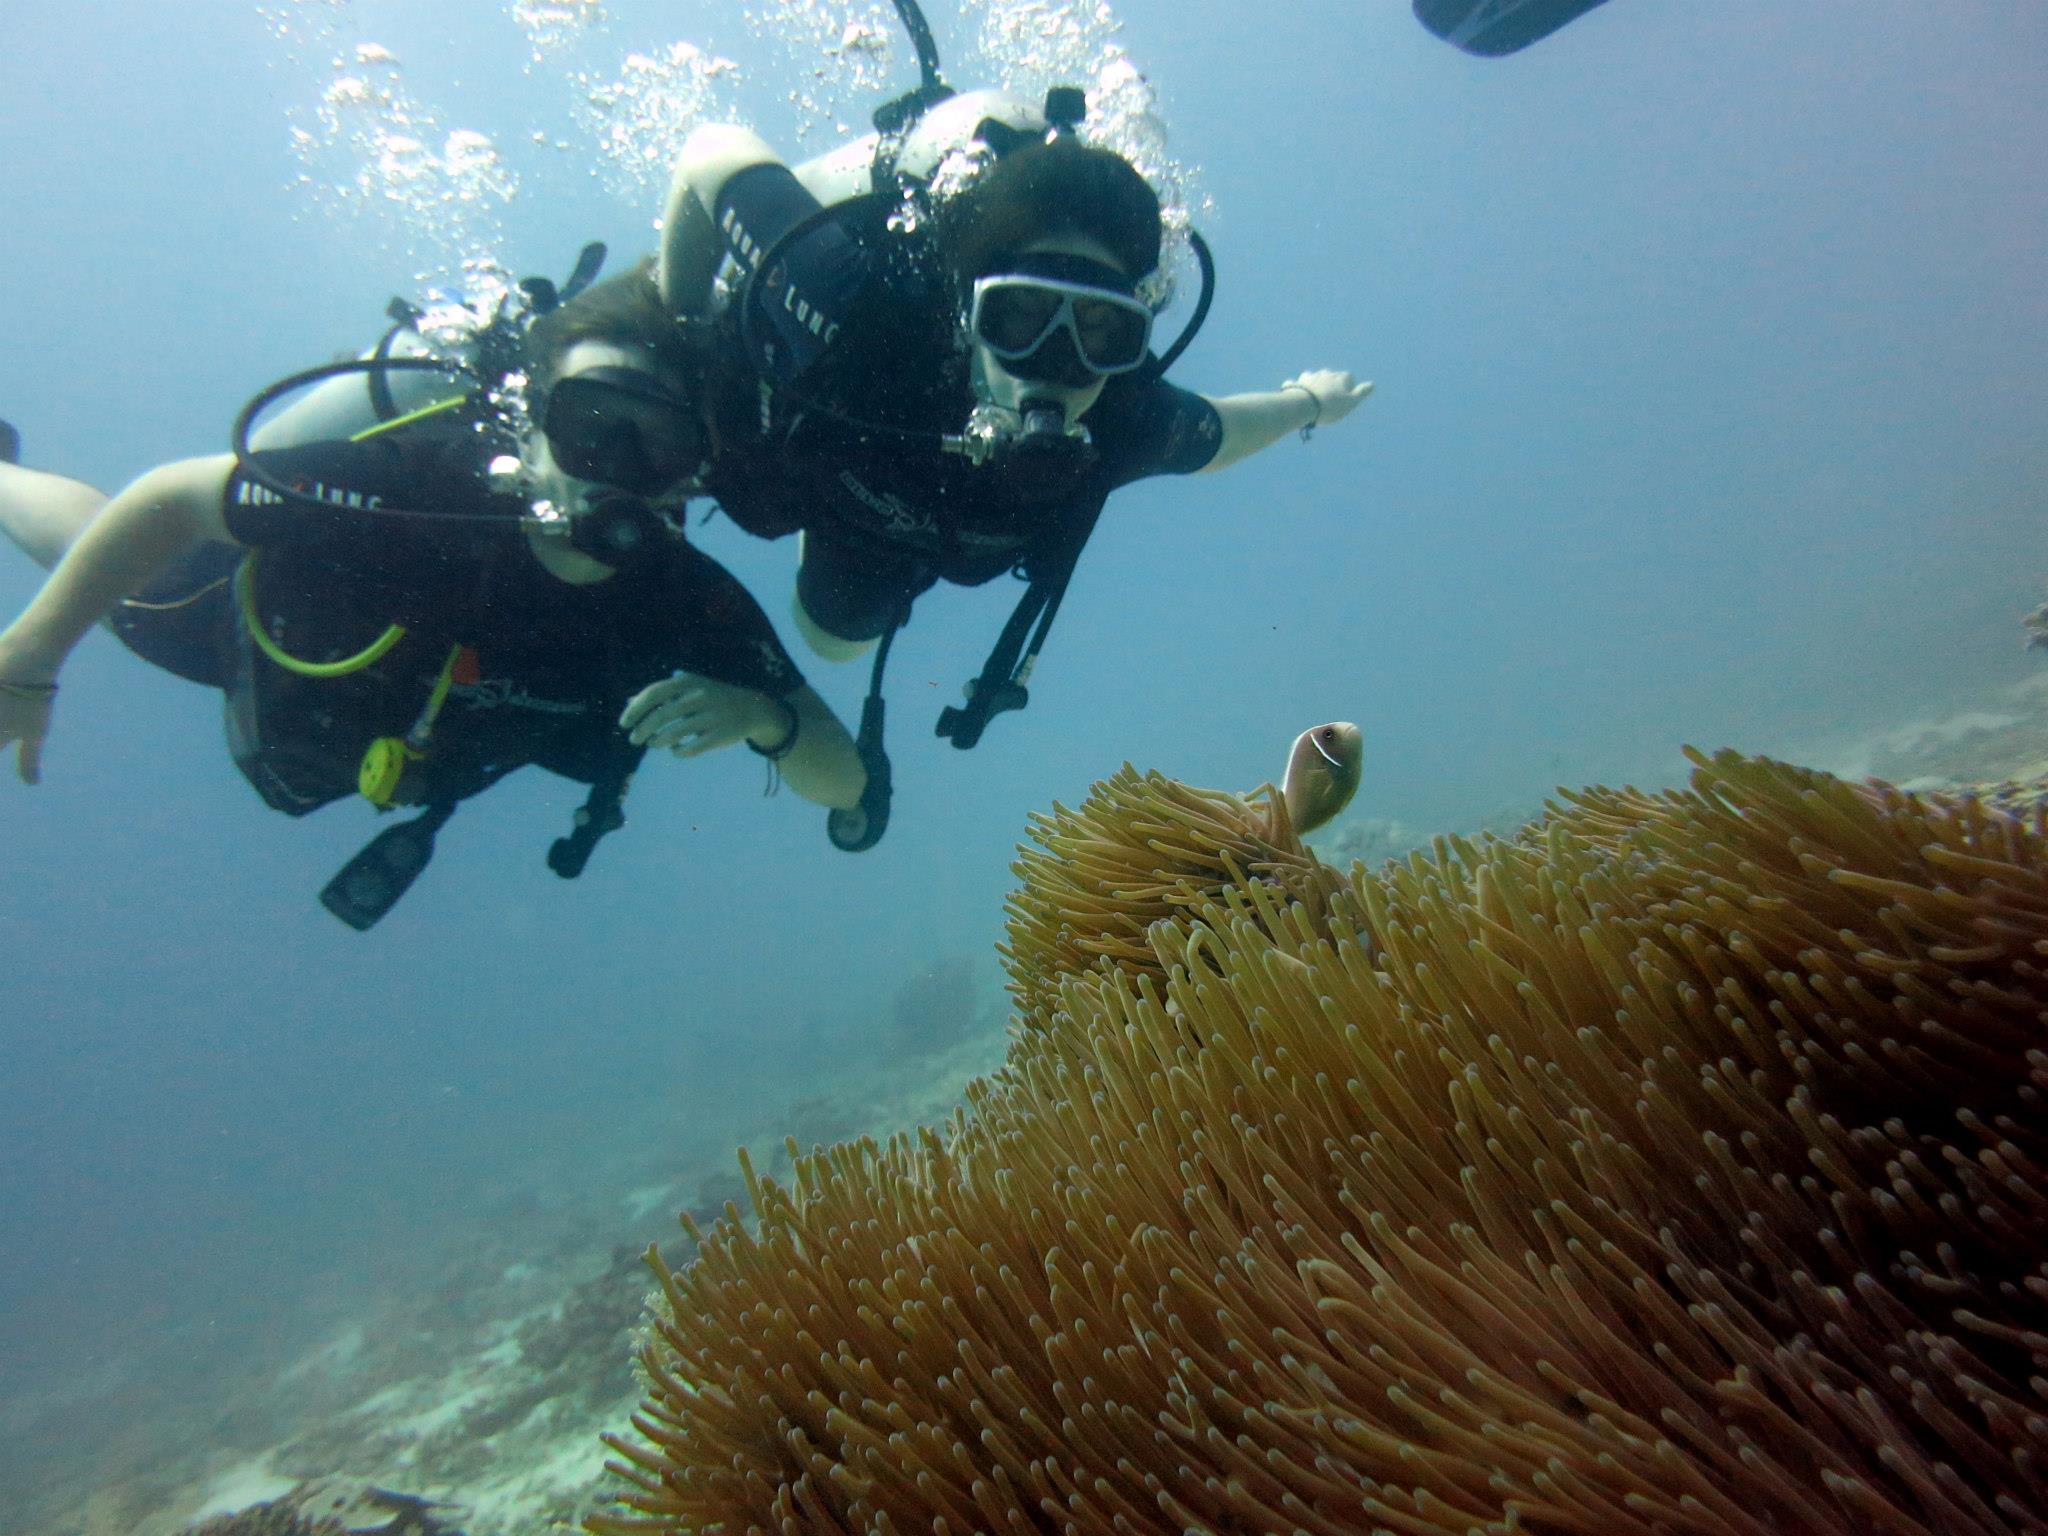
2035 627
276 1519
1674 1166
1995 736
332 1506
1366 839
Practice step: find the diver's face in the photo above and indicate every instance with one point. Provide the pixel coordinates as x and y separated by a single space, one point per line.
1055 372
612 423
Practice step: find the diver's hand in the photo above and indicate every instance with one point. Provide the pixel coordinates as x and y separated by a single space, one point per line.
692 715
24 722
1336 393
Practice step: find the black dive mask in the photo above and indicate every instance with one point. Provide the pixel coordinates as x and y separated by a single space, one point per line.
618 426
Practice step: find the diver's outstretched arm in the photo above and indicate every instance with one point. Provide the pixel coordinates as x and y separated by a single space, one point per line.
691 245
140 533
692 715
1254 421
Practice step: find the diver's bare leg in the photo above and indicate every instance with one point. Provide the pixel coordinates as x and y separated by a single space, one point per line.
43 513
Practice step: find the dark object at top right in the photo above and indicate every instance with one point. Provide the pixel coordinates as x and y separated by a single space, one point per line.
1494 28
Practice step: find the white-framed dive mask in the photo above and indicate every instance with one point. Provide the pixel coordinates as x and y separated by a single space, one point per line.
1016 315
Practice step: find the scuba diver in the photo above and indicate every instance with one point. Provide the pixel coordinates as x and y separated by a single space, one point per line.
849 408
417 609
934 363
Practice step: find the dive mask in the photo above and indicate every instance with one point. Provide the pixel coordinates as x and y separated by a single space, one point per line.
1016 315
620 428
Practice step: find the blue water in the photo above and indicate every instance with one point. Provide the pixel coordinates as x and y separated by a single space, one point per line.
1709 343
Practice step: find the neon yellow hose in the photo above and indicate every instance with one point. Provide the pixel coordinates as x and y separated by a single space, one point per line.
245 596
410 417
438 697
245 591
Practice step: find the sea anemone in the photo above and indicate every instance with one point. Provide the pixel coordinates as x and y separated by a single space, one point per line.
1144 849
1674 1166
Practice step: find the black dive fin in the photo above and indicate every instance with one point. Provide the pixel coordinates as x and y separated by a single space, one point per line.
10 443
370 884
544 298
1493 28
589 262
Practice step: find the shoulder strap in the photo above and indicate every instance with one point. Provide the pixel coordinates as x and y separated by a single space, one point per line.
1001 686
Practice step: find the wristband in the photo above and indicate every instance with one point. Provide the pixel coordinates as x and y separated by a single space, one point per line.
1316 401
43 691
777 753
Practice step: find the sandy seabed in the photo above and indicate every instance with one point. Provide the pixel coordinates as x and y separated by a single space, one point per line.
480 1385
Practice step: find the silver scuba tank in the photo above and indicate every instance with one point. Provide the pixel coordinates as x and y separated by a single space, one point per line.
345 407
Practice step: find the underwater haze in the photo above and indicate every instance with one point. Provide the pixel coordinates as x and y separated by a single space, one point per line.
1711 408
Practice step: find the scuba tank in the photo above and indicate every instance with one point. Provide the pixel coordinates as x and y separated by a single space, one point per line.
953 126
360 400
381 387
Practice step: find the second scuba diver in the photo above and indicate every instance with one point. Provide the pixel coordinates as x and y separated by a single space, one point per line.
417 611
943 387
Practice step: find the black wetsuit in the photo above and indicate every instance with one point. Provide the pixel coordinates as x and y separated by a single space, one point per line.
546 666
856 317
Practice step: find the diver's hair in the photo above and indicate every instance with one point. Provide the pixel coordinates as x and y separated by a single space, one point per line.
625 310
1062 187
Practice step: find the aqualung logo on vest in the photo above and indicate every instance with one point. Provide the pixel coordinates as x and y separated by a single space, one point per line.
249 494
900 517
736 235
338 496
749 250
807 317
